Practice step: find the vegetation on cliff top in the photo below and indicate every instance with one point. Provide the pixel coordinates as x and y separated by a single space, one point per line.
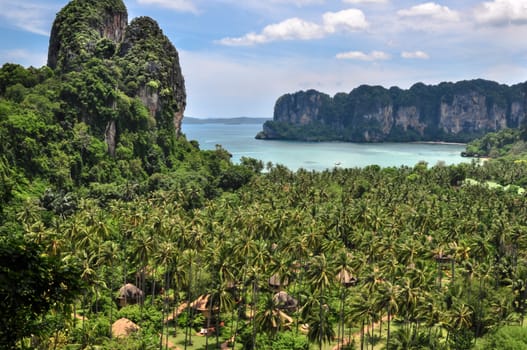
510 143
78 32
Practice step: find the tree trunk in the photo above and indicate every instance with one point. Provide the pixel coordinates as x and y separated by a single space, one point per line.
84 320
372 333
218 327
175 310
453 271
388 330
340 335
253 312
188 336
362 336
111 300
208 321
153 286
163 312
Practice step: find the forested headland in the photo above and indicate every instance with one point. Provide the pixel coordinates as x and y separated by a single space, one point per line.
116 232
448 112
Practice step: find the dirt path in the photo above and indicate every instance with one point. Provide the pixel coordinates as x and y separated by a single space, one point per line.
225 345
172 346
179 310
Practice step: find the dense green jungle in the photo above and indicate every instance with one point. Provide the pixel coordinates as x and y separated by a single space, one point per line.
116 232
256 255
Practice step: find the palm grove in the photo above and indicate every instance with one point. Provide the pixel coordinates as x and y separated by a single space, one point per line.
394 258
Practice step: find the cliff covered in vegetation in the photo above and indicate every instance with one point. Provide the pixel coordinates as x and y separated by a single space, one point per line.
104 114
131 61
457 112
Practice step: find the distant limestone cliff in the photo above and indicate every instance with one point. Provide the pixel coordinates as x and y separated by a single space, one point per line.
136 60
453 112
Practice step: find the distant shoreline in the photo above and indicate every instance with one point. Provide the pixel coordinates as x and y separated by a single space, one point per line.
235 120
441 143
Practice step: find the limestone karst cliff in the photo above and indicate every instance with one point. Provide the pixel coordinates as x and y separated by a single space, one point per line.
456 112
91 39
161 85
84 29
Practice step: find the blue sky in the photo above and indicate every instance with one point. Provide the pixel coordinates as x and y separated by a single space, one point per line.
239 56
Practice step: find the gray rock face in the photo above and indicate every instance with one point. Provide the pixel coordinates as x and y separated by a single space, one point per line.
470 113
161 85
446 112
300 108
407 118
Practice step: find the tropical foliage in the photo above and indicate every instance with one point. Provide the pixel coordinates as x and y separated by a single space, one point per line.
439 262
505 143
247 257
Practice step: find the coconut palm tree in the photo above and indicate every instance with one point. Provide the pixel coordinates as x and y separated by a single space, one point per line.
320 275
221 299
143 247
190 257
164 256
458 318
389 295
360 311
345 280
110 253
269 318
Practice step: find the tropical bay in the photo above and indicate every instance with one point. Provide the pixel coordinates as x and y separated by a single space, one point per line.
239 140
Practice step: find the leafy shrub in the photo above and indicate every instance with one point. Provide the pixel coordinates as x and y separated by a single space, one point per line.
505 338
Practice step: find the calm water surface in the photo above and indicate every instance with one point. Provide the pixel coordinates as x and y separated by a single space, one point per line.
240 142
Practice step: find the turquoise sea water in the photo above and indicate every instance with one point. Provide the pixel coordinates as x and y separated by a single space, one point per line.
239 140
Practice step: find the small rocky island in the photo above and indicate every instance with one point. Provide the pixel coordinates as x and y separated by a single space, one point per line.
448 112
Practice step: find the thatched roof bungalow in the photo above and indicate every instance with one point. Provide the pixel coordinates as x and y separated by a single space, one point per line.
346 278
130 294
285 301
277 283
123 327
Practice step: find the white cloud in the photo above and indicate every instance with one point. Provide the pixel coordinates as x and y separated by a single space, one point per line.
430 10
502 12
31 17
365 1
290 29
415 54
177 5
352 20
293 28
361 56
299 29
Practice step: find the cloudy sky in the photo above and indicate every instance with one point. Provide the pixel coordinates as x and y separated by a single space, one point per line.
239 56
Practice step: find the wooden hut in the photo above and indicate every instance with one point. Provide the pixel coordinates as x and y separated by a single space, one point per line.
346 278
284 301
129 294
